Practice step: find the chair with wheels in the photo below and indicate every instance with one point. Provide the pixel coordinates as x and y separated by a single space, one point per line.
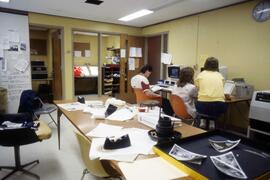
18 136
142 97
180 109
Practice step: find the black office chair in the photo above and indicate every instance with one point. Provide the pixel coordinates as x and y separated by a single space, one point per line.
18 136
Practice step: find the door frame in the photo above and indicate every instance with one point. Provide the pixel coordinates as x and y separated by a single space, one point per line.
99 55
61 28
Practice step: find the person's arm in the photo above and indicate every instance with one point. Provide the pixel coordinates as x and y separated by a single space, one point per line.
147 90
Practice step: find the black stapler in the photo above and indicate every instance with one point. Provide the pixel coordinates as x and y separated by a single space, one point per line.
121 142
81 99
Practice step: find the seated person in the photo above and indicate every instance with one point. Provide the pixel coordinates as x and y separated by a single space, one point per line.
211 98
186 90
140 81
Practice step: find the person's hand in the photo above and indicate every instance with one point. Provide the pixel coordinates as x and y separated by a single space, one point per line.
228 97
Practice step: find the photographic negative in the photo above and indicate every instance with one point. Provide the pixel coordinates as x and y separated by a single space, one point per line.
227 164
3 64
23 47
14 47
184 155
223 146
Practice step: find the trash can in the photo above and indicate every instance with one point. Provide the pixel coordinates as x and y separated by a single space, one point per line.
3 100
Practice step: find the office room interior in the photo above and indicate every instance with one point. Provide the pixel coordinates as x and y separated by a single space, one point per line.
82 51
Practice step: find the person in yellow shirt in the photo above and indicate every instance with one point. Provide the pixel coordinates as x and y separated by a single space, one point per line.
210 83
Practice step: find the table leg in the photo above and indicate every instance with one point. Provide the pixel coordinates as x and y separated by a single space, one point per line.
59 113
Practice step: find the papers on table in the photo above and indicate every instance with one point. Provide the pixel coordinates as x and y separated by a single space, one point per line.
227 164
75 106
154 168
140 144
104 130
123 114
155 88
182 154
151 118
223 146
228 87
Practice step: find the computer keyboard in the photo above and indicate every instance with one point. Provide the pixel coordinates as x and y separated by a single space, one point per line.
163 85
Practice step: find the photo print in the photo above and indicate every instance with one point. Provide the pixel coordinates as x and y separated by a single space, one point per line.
182 154
227 164
223 146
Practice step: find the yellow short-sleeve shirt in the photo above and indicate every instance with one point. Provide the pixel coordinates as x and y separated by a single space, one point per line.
211 86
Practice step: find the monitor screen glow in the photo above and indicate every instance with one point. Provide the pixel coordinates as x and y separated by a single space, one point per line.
173 72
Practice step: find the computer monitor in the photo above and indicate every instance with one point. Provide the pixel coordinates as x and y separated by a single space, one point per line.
174 72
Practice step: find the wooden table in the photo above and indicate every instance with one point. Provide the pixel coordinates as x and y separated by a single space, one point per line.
83 123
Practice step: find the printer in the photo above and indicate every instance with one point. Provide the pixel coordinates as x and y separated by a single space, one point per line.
242 90
259 114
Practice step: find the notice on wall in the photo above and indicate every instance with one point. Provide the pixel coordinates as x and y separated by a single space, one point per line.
87 53
131 64
166 58
122 53
77 53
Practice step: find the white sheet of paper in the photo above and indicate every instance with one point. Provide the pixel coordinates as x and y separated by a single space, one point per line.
131 64
153 168
122 158
87 53
228 87
166 58
75 106
1 50
94 102
132 52
5 42
77 53
13 36
123 53
21 65
138 52
123 114
104 130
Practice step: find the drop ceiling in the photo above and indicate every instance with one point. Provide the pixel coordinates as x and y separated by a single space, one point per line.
111 10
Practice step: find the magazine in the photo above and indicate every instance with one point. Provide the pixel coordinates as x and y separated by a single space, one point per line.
227 164
223 146
182 154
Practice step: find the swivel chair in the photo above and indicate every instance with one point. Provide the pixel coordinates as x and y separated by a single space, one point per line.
141 96
180 109
16 137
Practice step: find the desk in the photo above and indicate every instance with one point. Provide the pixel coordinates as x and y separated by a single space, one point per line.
83 123
233 104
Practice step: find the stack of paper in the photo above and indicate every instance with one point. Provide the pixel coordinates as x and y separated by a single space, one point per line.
154 168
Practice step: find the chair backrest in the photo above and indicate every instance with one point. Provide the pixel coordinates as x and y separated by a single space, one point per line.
141 96
179 107
29 102
94 166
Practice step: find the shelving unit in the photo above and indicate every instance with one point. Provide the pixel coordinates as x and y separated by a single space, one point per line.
111 79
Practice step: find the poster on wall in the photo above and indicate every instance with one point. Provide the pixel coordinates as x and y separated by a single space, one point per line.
15 73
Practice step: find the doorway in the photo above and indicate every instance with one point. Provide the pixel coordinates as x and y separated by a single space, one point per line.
46 59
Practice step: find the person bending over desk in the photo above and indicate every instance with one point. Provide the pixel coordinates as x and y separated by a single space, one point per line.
211 98
187 90
140 81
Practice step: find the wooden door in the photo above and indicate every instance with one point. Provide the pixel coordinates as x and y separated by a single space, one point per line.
57 73
126 91
153 57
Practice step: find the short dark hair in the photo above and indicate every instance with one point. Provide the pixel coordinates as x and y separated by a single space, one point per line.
211 64
186 76
145 68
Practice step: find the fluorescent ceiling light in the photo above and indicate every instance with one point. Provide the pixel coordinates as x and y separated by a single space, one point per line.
135 15
5 1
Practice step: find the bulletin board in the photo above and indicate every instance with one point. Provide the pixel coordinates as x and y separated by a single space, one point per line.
15 73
